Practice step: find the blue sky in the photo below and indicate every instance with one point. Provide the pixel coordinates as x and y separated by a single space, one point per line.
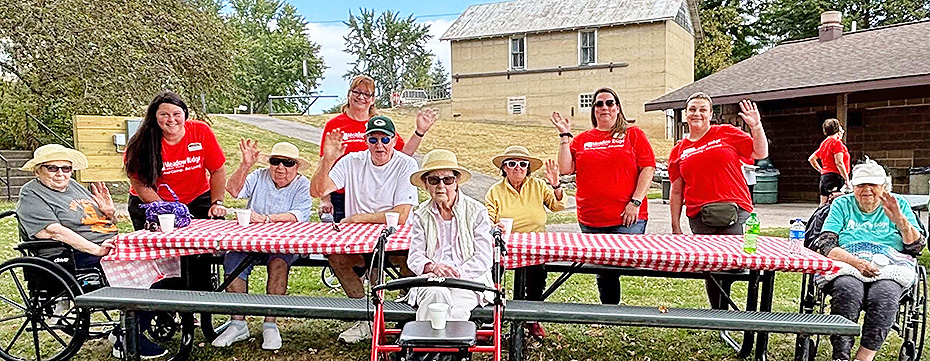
326 30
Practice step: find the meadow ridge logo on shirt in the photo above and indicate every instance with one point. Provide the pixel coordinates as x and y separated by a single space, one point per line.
716 143
360 136
604 144
180 165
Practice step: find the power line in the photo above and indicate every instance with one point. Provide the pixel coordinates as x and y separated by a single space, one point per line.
416 16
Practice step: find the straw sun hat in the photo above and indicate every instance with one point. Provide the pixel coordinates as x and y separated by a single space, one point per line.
287 150
50 152
439 159
516 151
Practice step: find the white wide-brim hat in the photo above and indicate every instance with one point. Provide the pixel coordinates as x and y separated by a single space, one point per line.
439 159
52 152
287 150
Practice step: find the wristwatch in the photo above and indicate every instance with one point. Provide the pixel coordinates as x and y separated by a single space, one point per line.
636 202
217 202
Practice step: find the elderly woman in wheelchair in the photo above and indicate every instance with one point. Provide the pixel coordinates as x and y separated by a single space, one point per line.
65 229
872 233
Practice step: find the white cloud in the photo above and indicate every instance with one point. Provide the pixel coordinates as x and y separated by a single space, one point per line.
330 38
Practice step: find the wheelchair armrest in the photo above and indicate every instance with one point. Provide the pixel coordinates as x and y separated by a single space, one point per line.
34 244
435 282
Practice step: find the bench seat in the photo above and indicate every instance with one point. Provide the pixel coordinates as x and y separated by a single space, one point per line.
516 310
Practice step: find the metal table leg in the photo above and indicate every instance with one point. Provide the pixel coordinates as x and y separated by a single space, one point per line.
516 328
768 287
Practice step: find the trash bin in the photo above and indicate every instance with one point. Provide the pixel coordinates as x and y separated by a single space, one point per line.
766 189
919 179
666 188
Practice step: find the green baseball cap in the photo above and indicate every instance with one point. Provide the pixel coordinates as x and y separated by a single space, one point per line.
380 123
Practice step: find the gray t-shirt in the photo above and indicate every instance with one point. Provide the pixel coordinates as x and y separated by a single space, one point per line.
75 209
265 198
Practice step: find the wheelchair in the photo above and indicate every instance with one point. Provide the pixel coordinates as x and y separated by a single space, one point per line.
910 321
38 317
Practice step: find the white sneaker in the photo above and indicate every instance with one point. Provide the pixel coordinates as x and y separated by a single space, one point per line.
271 338
234 333
361 330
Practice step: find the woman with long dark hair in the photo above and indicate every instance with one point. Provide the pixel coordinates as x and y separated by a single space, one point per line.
169 149
613 165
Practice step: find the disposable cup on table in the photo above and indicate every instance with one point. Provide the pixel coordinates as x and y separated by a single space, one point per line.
438 312
166 222
508 227
391 219
244 216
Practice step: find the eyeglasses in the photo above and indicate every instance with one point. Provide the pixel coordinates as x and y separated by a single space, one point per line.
374 140
445 180
515 163
608 102
361 93
55 168
283 161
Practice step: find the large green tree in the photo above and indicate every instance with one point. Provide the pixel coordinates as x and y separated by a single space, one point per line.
728 38
65 57
273 45
389 48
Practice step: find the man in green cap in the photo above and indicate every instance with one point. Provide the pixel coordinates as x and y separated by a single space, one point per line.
376 182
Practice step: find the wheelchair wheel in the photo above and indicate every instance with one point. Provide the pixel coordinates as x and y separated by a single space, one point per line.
912 318
164 326
37 308
812 301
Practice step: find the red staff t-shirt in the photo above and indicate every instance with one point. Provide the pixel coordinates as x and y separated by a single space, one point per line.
606 170
185 165
710 168
828 149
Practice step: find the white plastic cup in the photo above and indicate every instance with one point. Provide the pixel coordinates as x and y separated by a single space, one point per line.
244 216
880 261
166 221
392 218
438 312
508 227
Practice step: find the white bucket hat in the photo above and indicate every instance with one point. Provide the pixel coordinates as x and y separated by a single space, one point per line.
287 150
868 173
50 152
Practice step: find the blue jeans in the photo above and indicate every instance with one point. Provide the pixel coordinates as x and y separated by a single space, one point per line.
608 285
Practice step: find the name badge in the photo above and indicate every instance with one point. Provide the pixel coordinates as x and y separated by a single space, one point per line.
194 147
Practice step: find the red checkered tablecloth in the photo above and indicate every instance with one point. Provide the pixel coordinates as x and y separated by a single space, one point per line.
143 256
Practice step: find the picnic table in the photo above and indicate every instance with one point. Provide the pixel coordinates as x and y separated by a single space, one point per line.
142 257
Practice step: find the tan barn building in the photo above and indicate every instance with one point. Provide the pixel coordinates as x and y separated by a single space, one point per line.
518 61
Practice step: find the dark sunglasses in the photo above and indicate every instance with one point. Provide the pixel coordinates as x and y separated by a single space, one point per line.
374 140
55 168
608 102
435 180
515 163
361 94
279 161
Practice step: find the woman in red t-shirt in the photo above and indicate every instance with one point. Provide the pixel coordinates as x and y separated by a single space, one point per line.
613 165
834 173
707 176
359 107
172 150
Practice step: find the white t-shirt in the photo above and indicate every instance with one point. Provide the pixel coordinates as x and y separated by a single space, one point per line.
370 188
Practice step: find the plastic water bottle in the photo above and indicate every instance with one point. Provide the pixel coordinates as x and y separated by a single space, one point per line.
751 234
796 236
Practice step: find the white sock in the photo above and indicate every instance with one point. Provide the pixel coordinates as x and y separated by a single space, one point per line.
238 324
269 325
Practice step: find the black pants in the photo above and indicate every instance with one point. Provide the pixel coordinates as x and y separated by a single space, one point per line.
197 264
339 205
717 299
878 299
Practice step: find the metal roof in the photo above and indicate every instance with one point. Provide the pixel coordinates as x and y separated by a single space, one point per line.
531 16
878 58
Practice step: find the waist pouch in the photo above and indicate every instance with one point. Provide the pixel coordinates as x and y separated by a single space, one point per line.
722 214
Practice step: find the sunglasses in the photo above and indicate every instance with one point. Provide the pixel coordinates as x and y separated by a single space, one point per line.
374 140
445 180
609 103
279 161
515 163
55 168
361 94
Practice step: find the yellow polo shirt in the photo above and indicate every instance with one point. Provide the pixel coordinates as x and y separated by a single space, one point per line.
527 207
